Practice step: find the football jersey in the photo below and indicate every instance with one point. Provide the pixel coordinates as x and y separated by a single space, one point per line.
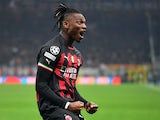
58 67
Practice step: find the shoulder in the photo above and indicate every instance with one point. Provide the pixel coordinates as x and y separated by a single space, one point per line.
53 46
53 42
50 49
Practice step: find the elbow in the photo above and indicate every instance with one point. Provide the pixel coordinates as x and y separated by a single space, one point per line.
40 87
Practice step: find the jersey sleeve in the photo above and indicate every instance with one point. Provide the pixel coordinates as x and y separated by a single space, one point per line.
48 57
79 97
46 61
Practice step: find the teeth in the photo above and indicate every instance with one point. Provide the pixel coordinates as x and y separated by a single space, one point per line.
82 34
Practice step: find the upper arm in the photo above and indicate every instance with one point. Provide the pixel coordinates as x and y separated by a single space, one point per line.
48 57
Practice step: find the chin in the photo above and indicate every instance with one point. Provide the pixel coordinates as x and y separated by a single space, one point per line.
78 41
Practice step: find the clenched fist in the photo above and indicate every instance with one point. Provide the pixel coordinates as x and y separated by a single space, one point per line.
76 106
91 107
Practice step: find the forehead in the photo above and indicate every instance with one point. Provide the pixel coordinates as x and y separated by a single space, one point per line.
75 16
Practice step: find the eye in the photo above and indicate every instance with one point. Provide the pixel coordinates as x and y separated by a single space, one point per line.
80 22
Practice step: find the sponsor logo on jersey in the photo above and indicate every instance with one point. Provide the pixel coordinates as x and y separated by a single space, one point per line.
69 72
48 61
66 57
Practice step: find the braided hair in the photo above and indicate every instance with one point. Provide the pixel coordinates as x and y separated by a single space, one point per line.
61 12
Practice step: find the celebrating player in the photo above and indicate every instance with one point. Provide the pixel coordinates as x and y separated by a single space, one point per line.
58 65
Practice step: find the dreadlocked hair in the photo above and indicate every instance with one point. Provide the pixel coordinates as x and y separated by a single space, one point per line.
61 12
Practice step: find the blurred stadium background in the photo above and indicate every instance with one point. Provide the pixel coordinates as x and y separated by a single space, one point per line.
122 45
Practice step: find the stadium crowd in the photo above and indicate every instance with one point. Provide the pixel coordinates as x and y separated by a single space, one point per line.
112 37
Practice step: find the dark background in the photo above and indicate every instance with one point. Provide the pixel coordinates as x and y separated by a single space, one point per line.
117 33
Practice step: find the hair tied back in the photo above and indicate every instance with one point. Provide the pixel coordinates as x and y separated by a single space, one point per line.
62 8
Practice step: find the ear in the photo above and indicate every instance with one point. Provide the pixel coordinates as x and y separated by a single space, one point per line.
65 24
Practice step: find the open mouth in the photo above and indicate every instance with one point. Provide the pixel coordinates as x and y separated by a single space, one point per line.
82 34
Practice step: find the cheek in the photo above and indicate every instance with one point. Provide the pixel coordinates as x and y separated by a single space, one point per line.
73 31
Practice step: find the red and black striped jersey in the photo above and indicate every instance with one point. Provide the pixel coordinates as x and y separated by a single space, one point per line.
58 66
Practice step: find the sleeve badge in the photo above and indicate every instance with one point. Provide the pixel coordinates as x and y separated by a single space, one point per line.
54 50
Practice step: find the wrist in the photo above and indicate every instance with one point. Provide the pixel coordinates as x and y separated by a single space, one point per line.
67 104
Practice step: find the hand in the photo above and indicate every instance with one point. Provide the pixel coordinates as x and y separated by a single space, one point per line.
75 106
91 107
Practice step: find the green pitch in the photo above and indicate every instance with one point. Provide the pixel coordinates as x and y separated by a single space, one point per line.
124 102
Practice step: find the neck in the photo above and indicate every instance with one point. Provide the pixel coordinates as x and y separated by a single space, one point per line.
67 38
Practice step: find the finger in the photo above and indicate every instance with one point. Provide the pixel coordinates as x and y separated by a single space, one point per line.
81 104
94 106
92 111
88 108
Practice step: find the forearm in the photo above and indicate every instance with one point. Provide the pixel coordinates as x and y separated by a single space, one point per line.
79 97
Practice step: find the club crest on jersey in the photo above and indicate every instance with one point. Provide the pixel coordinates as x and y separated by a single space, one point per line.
54 50
68 117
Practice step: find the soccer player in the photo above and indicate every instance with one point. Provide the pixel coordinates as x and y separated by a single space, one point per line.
58 66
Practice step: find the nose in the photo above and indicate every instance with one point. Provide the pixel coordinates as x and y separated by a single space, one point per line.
84 26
